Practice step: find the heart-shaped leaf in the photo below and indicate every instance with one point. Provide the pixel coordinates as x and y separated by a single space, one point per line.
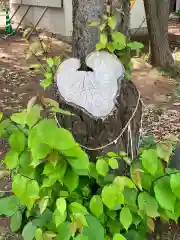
126 217
164 194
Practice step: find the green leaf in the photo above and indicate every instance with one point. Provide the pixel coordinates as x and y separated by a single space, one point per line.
102 167
46 83
112 197
164 151
164 194
48 75
39 149
103 39
49 235
136 220
122 154
44 219
136 235
26 190
136 176
148 204
130 196
11 159
57 138
19 185
61 205
110 46
1 116
29 231
16 221
94 230
92 170
79 219
57 174
39 234
119 40
112 22
122 182
99 46
59 218
78 159
126 217
113 163
78 208
17 141
102 27
114 226
81 237
146 180
71 180
50 62
8 206
64 231
43 204
111 214
118 236
96 205
135 45
31 194
177 210
48 169
175 184
150 161
112 155
170 215
19 118
33 115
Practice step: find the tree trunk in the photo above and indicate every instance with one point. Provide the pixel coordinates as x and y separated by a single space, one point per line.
99 136
122 10
157 15
84 37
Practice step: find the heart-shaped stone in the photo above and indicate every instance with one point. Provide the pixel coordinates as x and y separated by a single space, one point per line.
94 91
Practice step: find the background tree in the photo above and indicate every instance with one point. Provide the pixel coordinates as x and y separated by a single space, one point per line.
157 15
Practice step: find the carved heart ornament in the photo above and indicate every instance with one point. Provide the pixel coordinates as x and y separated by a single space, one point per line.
94 91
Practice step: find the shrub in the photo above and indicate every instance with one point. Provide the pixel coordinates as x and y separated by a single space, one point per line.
59 194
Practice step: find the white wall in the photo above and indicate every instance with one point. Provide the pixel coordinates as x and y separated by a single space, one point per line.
137 15
59 20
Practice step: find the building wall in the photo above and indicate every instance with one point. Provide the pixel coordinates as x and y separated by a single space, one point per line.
58 18
137 15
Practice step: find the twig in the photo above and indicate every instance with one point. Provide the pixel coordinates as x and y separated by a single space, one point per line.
39 39
133 35
39 61
8 191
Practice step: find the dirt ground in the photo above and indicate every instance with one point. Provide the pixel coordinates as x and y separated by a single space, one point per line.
19 84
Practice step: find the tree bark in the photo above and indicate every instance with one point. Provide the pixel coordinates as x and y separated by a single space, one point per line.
85 37
122 10
157 15
92 133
